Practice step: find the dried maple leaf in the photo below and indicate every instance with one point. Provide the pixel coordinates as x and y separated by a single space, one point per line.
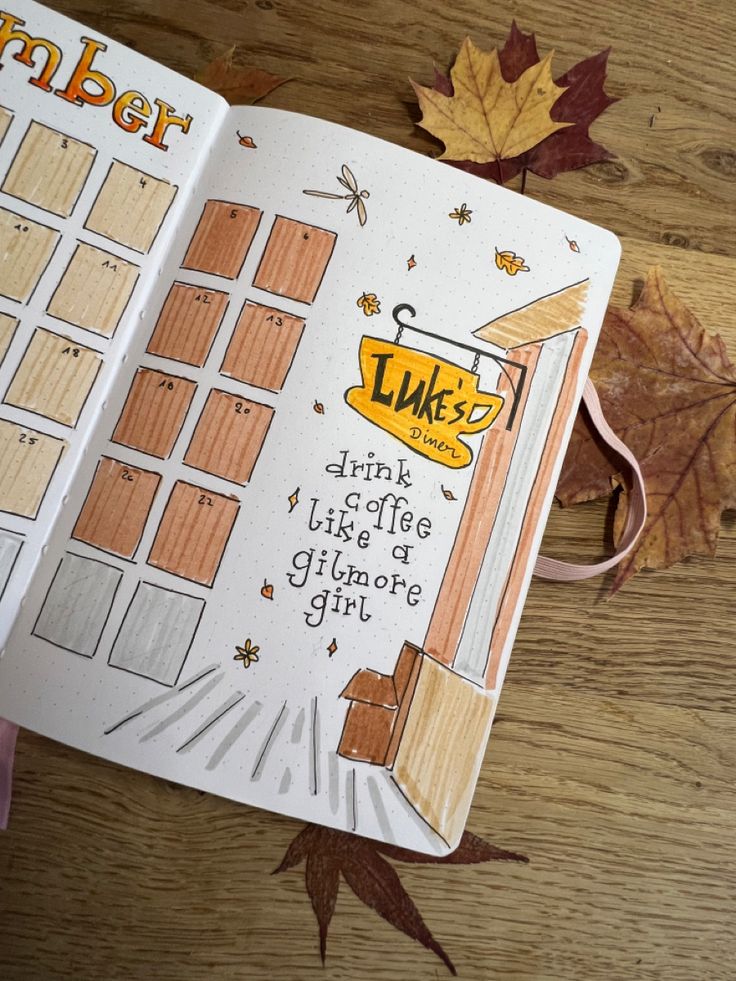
487 118
583 100
238 84
330 854
668 390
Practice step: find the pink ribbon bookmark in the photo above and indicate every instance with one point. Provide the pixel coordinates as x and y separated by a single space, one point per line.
635 519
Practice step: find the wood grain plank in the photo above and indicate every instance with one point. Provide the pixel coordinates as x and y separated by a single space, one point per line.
130 207
94 290
154 412
187 324
193 533
222 238
263 346
49 169
116 508
54 377
229 436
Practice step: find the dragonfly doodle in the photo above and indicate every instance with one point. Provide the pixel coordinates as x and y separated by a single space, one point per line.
356 197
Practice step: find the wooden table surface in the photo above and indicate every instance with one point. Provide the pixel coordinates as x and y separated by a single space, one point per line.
612 760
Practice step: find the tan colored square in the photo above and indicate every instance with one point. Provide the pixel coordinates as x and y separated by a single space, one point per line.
114 513
154 412
263 346
7 332
94 290
6 118
49 170
229 436
27 463
54 377
188 323
130 207
193 533
25 250
222 238
295 259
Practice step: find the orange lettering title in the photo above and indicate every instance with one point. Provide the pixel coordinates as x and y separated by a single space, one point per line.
131 110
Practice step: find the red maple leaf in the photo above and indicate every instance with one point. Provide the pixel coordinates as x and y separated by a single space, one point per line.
330 854
581 104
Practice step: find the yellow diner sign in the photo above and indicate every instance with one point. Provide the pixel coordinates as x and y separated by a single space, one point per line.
426 402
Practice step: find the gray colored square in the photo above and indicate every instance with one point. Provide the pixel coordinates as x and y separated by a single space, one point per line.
78 604
157 632
10 544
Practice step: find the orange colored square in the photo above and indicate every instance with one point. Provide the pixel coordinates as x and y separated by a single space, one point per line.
295 259
229 436
263 346
222 238
189 320
154 412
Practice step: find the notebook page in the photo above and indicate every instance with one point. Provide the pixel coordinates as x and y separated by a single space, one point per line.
299 547
99 148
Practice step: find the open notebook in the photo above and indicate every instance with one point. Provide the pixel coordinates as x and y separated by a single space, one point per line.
282 412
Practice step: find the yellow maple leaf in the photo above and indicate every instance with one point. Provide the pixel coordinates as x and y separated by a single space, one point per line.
510 262
489 118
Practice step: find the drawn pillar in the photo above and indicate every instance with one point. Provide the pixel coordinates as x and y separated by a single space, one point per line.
478 518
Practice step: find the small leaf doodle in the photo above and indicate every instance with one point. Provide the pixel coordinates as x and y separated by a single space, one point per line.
447 494
248 654
369 303
510 262
293 500
267 590
411 262
332 647
330 853
573 245
318 408
246 141
461 214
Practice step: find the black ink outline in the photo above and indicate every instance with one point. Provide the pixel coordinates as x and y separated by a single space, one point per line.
211 493
3 354
231 204
131 466
304 224
285 313
240 398
57 439
65 136
109 238
165 589
61 647
167 376
36 412
201 289
11 570
25 301
11 113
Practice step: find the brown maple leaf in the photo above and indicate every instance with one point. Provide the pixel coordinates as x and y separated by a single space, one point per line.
668 389
583 100
488 118
238 84
330 854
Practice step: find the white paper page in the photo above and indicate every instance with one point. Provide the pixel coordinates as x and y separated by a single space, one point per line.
216 652
82 242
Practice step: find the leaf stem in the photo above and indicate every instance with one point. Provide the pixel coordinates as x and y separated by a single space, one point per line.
500 172
523 179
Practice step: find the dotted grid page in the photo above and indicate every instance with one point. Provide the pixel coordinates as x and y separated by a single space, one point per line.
99 152
305 531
